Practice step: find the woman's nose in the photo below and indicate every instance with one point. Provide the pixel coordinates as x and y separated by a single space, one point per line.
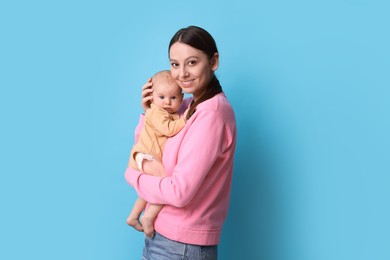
183 72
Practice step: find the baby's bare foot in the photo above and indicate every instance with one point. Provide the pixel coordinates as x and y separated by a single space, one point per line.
147 225
135 224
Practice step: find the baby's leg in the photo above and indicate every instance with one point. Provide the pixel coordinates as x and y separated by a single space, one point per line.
132 219
148 218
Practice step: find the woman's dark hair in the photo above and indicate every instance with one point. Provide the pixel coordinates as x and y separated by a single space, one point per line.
196 37
200 39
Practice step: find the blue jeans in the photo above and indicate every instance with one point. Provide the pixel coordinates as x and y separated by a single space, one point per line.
162 248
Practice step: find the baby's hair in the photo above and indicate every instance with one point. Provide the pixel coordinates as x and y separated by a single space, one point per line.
164 77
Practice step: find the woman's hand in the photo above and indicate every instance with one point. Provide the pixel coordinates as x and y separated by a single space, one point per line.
154 168
147 96
185 114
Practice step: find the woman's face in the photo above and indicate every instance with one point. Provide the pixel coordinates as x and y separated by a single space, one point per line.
191 68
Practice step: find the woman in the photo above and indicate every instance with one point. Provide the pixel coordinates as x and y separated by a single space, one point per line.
198 160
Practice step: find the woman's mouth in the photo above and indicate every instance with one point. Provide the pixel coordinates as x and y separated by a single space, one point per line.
186 83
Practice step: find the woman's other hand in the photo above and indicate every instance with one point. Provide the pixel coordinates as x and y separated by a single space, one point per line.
147 96
154 168
185 114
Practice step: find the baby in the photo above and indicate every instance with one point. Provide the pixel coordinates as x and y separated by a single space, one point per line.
160 122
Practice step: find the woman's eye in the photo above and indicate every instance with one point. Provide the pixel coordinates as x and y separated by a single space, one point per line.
192 62
174 65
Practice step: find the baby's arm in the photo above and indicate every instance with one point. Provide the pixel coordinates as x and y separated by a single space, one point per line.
164 123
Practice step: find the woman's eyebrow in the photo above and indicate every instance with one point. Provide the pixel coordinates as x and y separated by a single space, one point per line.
191 57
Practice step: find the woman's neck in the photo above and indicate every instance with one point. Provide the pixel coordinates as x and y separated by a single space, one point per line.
196 96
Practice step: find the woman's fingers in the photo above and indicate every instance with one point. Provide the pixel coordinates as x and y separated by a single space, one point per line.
147 85
147 96
147 89
146 102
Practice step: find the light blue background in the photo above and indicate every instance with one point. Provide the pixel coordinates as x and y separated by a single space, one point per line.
309 82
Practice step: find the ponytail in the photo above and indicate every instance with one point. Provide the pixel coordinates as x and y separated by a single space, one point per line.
213 89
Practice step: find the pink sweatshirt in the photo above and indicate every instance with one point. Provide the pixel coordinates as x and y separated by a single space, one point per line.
199 163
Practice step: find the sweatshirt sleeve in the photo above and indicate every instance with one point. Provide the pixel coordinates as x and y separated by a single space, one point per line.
201 146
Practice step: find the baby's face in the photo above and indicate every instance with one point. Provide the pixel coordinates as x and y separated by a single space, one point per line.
168 97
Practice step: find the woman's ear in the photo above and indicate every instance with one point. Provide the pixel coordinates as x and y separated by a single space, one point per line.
215 62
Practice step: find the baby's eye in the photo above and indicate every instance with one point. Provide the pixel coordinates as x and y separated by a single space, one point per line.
173 97
161 97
